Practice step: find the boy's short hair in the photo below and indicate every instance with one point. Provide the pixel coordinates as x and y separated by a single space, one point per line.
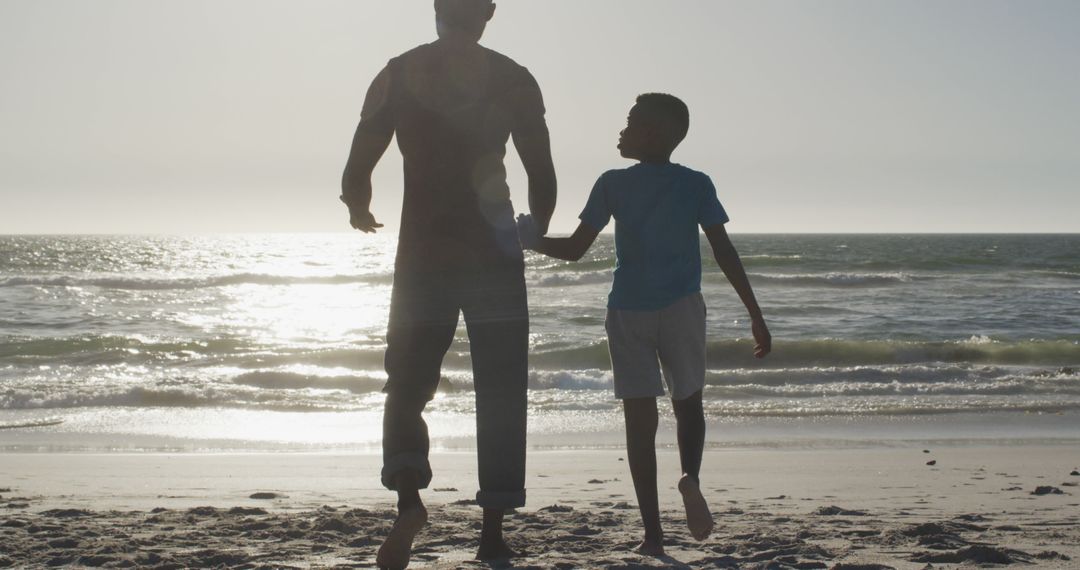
671 112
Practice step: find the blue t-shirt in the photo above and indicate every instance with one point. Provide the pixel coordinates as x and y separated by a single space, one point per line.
657 210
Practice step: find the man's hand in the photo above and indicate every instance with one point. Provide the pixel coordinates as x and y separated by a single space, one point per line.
762 338
361 220
528 232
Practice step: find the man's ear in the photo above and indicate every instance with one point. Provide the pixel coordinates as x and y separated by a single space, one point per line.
491 13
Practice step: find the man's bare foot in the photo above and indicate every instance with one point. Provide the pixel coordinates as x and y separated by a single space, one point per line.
495 549
395 551
649 547
698 517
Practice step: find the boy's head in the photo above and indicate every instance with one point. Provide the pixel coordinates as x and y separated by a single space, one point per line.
464 16
657 123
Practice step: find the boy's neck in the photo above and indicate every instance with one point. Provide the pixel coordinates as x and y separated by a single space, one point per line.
659 160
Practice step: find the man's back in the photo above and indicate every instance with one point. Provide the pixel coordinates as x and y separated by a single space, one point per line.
453 108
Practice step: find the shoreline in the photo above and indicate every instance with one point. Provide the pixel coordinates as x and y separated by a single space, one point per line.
222 430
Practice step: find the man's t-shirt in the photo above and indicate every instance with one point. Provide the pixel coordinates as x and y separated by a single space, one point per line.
657 210
453 108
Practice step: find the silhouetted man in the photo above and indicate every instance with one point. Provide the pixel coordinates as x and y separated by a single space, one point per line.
453 105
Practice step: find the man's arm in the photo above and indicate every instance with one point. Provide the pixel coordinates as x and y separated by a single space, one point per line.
569 248
534 148
372 137
533 145
728 260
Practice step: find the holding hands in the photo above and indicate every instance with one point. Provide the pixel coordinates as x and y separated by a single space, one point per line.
762 338
528 232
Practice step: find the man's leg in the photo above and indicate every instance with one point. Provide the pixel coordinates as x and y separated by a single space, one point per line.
422 324
690 421
641 422
498 324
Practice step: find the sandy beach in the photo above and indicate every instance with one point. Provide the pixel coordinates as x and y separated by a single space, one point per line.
853 508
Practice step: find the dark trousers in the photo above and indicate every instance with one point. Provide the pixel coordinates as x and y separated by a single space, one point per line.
424 311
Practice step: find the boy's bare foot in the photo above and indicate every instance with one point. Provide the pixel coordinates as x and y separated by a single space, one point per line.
650 547
495 549
395 551
698 517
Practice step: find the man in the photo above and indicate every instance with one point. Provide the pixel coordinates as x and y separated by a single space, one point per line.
453 105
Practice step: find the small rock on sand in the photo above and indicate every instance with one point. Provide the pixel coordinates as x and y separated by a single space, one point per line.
266 496
247 511
932 462
67 513
834 511
978 554
1047 490
1075 473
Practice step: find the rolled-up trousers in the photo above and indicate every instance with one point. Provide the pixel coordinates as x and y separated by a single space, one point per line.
424 311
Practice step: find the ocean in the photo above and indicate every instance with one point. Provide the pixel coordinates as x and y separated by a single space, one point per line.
275 342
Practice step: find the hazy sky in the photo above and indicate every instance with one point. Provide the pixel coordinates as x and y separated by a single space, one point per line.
173 116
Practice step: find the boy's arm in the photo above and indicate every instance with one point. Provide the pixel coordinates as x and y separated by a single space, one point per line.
728 260
569 248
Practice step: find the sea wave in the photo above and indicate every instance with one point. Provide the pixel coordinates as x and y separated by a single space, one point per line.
1026 387
1060 274
721 354
236 351
280 380
168 396
836 279
726 354
849 407
167 283
572 278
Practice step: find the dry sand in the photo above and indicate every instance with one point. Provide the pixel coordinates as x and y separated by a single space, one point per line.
846 509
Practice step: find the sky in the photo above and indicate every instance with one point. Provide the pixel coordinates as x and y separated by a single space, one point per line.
190 116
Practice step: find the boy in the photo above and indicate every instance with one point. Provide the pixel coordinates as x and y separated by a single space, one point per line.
655 309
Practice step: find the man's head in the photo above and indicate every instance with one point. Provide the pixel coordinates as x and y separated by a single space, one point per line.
463 17
657 124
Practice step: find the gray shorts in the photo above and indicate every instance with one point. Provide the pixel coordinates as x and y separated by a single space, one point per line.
672 339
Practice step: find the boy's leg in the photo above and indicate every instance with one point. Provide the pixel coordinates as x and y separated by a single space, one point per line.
641 422
632 338
690 427
497 319
422 324
682 357
690 422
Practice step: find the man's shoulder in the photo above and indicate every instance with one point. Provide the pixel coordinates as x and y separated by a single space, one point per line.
420 51
504 61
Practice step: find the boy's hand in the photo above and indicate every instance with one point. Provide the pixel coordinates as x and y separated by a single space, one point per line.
762 338
528 232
